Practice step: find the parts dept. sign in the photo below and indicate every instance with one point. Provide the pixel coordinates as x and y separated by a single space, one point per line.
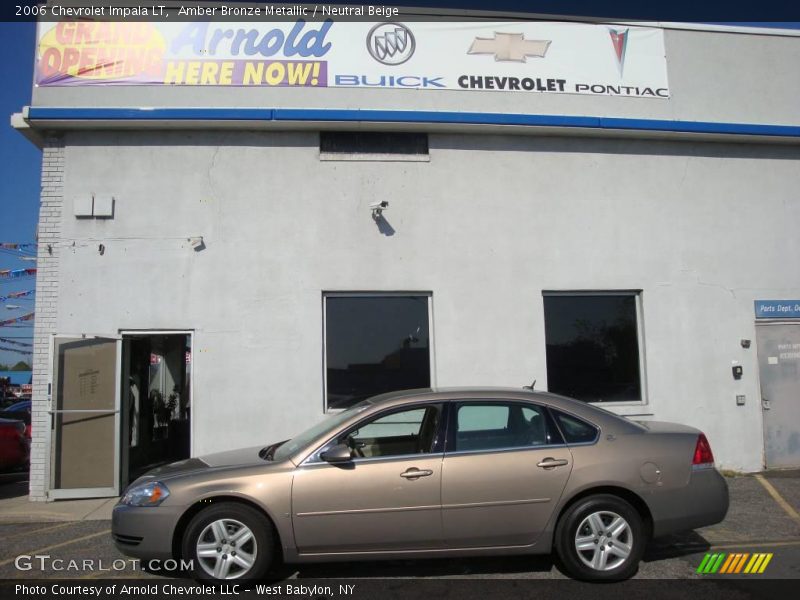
560 58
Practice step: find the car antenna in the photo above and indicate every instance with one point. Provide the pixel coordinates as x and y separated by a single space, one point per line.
529 387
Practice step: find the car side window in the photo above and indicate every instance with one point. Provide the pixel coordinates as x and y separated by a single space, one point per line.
398 433
574 429
498 425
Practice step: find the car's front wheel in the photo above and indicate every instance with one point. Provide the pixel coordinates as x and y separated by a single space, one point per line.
229 541
601 538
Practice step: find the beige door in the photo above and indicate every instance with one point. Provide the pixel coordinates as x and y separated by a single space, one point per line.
503 477
386 498
84 437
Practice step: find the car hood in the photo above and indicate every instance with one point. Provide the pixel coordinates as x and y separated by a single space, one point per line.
229 458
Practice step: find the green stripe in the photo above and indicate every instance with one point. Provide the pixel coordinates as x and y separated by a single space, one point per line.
718 564
703 564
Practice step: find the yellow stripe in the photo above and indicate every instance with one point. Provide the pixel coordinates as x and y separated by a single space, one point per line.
788 509
740 564
54 546
760 560
765 563
754 560
727 563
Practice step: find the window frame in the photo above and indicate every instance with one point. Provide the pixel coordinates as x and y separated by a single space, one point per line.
439 439
639 312
452 427
372 294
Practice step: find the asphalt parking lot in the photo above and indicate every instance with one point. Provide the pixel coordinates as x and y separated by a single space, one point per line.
763 517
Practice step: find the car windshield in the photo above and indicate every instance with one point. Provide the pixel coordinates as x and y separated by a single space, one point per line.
302 440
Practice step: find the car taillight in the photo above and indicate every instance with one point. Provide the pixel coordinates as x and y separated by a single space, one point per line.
703 457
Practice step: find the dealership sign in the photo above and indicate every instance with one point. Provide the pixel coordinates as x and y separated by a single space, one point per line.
777 309
573 58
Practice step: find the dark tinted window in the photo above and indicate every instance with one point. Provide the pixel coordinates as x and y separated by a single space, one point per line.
497 425
373 142
375 344
575 431
593 347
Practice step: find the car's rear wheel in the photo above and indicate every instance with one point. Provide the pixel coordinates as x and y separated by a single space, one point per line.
229 541
601 538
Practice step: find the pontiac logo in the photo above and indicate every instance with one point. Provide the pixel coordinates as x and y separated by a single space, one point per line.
509 47
619 38
391 43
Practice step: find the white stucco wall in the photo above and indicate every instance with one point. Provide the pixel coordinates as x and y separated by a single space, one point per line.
702 229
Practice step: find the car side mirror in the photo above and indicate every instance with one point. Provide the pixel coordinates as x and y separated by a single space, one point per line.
338 454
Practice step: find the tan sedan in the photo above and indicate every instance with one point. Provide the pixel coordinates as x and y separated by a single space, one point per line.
422 473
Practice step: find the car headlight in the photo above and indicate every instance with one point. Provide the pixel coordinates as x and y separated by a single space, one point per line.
151 493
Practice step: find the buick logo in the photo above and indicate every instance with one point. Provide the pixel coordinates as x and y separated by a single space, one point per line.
391 43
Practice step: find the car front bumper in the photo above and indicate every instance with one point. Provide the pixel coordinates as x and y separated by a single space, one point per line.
145 532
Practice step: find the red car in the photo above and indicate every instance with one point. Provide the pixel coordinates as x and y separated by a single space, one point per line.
15 447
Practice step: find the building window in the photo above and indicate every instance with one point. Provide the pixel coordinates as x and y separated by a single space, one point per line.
594 346
375 343
373 145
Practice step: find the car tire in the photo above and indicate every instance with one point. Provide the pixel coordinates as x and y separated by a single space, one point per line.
588 547
229 541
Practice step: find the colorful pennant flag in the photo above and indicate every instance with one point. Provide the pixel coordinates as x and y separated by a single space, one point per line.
16 246
20 319
10 274
14 295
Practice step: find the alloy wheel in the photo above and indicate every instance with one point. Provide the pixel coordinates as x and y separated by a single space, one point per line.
226 549
603 541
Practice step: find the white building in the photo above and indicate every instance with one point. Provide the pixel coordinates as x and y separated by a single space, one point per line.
599 207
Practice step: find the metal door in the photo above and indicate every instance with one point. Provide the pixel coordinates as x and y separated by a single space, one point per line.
779 373
501 477
368 505
84 436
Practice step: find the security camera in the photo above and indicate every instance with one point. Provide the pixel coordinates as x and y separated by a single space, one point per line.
378 208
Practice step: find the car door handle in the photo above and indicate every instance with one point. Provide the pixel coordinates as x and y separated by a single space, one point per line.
551 463
414 473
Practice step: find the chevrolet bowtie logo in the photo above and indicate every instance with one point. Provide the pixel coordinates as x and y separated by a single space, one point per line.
508 47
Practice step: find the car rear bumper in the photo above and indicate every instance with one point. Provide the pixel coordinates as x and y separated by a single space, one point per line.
144 532
702 502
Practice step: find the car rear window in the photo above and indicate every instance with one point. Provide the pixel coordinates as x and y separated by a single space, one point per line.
574 429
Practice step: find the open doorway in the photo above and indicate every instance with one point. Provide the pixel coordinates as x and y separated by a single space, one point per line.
156 401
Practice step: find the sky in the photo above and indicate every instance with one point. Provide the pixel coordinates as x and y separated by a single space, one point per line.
20 163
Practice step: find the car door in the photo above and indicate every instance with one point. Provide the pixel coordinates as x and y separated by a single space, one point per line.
504 470
387 497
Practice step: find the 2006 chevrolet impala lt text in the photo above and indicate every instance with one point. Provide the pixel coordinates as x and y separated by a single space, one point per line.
424 473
